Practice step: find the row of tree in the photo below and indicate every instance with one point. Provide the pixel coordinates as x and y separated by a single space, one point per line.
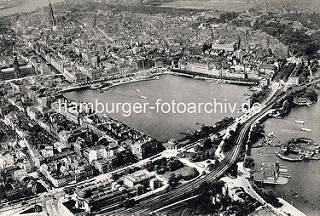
174 179
163 165
300 43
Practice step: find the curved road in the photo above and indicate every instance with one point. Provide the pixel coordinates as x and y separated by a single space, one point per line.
159 201
148 206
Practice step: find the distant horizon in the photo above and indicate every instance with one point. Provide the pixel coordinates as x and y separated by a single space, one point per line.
27 6
314 5
239 5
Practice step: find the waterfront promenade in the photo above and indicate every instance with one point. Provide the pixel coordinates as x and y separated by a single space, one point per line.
243 181
127 82
175 195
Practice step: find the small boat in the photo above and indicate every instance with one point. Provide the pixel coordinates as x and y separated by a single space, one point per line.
299 121
270 135
138 90
306 130
143 97
96 86
100 90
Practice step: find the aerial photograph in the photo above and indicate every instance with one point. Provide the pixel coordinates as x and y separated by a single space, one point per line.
160 107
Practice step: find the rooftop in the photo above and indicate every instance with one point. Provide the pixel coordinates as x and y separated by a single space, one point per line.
139 176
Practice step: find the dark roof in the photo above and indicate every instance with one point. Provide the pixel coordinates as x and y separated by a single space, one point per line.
83 194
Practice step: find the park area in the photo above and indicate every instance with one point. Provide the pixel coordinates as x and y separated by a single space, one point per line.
172 170
184 173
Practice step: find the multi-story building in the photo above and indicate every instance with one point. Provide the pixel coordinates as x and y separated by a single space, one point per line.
97 152
95 197
142 177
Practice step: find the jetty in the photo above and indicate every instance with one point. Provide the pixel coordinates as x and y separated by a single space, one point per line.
130 81
300 149
73 88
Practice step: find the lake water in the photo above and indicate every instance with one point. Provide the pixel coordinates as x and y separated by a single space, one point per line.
180 89
305 174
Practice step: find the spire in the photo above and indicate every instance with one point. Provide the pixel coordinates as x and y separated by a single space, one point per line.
53 20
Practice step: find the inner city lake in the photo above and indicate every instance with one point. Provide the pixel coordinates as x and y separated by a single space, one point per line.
165 126
304 174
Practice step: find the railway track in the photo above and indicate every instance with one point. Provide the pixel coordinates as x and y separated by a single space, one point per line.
149 205
159 201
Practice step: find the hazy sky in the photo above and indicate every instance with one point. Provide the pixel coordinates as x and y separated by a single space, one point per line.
28 5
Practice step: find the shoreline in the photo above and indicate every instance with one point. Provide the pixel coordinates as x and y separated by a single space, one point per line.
213 77
291 162
127 82
150 78
297 155
281 156
169 72
287 208
73 88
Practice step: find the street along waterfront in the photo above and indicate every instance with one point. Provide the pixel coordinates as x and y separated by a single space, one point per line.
164 126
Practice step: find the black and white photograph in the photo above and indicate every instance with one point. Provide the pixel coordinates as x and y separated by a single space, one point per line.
159 107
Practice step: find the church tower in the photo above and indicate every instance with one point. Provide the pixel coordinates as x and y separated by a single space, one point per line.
52 17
